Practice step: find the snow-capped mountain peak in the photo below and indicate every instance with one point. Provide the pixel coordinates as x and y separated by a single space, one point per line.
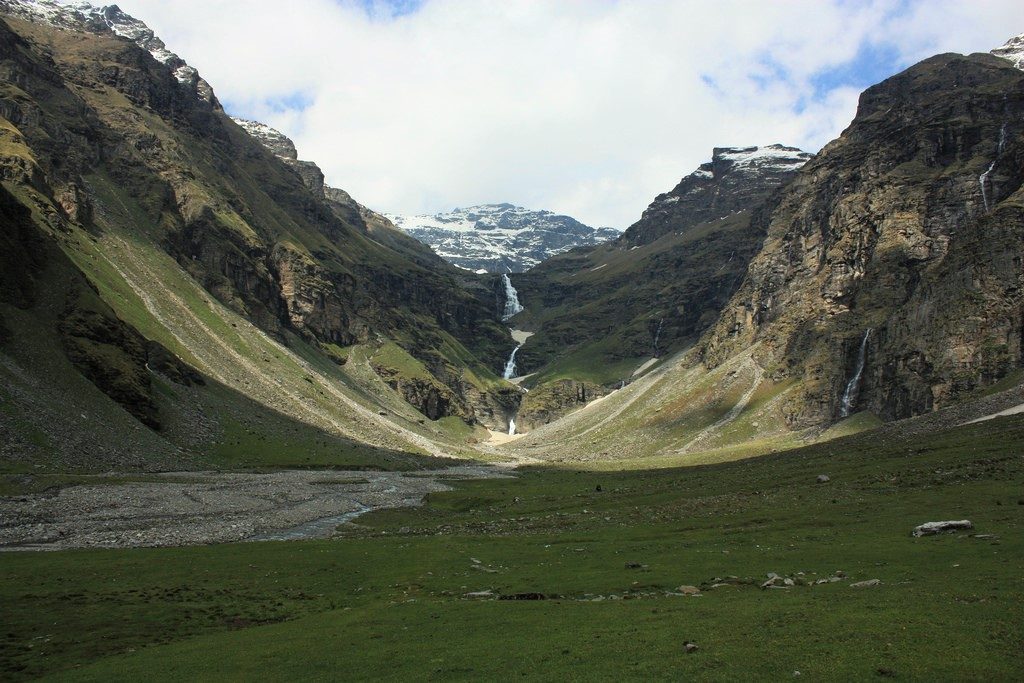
1012 50
83 16
500 238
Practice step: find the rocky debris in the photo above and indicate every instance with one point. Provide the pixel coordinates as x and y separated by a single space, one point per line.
479 595
932 528
196 508
500 238
525 596
688 590
823 478
870 583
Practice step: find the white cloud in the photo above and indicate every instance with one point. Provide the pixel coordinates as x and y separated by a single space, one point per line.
590 108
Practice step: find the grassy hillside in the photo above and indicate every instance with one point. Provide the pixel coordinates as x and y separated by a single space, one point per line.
607 552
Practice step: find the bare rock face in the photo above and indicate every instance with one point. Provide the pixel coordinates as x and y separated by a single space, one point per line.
736 179
552 400
892 261
284 149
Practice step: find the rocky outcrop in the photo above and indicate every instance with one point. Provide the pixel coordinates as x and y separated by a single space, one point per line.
81 16
736 179
910 225
552 400
284 149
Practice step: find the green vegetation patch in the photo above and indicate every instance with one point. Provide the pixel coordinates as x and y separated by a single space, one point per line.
591 563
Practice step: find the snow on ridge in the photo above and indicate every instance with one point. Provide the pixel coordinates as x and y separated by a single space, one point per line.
77 15
769 155
499 237
1012 50
271 138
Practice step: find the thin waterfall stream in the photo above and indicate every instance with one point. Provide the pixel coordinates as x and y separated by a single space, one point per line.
983 178
853 386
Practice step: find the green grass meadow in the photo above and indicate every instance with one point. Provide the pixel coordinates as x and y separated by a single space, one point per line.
388 600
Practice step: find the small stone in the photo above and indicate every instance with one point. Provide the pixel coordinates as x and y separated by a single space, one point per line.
788 582
688 590
870 583
822 478
479 595
690 646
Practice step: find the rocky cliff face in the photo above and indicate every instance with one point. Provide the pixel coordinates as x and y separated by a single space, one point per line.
890 278
500 238
736 179
664 281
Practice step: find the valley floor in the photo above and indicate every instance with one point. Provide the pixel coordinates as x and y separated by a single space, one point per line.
568 574
195 508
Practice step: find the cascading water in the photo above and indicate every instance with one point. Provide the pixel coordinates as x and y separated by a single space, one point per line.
511 426
983 178
510 366
853 386
512 305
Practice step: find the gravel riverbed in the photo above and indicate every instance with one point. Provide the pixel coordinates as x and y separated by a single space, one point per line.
198 508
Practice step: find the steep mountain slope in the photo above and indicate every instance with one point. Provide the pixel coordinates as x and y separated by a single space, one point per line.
500 238
888 285
599 312
890 279
188 231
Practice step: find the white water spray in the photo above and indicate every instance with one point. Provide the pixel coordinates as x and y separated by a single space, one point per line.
510 366
511 426
512 305
853 386
983 178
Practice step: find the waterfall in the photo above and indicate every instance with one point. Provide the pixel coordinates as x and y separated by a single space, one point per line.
657 336
853 386
512 305
510 366
983 178
511 426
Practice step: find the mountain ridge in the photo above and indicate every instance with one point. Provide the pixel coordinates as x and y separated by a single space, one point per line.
500 238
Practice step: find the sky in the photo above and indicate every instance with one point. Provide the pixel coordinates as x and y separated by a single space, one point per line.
585 107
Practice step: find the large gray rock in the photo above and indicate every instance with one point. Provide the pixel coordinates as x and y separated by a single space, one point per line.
932 528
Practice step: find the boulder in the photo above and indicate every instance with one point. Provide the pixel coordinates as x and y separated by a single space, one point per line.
931 528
